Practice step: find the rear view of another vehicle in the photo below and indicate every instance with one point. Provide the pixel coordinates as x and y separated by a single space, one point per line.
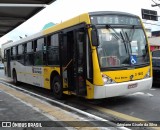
156 66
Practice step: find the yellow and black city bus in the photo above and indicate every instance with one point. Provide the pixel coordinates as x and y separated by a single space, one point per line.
94 55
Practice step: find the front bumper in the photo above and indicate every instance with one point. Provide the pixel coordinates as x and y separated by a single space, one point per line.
119 89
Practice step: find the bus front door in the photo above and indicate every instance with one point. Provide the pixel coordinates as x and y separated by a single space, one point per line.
79 61
73 61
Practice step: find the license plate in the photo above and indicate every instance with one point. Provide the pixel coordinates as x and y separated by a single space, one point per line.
132 86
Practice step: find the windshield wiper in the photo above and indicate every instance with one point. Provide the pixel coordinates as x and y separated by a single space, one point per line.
116 33
124 41
128 41
130 37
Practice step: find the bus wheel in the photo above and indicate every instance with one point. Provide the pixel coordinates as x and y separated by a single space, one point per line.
15 78
57 88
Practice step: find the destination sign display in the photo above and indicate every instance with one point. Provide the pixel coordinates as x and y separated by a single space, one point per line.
115 19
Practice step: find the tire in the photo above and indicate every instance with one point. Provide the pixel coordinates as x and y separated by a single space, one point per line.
57 88
15 81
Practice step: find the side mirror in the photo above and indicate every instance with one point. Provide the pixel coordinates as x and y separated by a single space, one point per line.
94 37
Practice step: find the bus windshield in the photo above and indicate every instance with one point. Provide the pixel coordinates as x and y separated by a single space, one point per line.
122 46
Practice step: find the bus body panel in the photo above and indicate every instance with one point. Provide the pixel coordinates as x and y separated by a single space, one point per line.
74 21
90 90
47 75
97 77
34 75
127 75
148 45
28 74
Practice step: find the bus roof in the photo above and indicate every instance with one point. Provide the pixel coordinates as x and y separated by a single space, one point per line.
111 13
71 22
65 24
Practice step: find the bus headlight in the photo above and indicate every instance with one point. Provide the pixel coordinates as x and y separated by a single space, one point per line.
148 74
107 80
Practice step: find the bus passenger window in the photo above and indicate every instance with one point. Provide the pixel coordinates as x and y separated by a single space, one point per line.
20 49
53 50
39 56
4 56
29 54
40 44
29 47
13 53
20 56
54 40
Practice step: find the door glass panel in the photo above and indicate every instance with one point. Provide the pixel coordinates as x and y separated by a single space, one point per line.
81 86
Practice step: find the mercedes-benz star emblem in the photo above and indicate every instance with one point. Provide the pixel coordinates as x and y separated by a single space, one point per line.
131 77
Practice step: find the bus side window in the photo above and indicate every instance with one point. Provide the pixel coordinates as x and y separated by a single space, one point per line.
13 53
20 55
53 50
40 44
25 48
4 59
29 47
29 54
40 52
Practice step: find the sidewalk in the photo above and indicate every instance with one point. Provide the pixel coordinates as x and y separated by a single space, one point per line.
16 106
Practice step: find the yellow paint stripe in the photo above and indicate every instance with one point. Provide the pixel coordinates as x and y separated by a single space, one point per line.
5 79
120 115
56 112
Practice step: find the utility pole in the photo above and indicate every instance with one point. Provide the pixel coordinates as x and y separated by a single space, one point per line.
155 4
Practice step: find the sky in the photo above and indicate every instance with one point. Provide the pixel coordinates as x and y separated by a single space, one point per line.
61 10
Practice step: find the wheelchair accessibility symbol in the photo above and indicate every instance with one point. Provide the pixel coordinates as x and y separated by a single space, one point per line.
133 59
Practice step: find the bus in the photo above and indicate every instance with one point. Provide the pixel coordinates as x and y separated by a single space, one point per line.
94 55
